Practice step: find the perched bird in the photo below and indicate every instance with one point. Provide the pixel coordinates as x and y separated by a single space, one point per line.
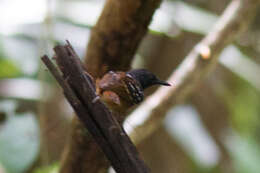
121 90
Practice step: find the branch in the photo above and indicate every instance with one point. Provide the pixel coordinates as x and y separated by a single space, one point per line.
195 67
112 46
79 91
117 34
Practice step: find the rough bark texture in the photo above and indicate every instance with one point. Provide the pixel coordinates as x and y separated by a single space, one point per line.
195 67
117 34
95 116
113 43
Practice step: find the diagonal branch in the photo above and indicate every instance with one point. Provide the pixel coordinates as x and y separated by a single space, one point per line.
195 67
113 43
95 116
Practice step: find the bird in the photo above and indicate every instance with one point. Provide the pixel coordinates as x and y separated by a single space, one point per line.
121 90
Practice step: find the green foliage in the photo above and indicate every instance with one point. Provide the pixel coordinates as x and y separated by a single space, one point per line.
245 153
8 69
54 168
245 109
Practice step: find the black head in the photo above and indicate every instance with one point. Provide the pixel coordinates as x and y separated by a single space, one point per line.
146 78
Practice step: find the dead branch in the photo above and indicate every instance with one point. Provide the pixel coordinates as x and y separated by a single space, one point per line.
112 46
195 67
80 92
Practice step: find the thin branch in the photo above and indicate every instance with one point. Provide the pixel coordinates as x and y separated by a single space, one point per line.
79 91
195 67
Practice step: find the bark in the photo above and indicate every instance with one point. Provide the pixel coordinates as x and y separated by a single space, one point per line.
117 34
95 116
113 43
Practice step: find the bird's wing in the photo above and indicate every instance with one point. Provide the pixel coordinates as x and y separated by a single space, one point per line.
109 81
134 89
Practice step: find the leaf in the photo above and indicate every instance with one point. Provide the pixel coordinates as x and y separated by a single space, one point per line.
54 168
19 142
8 68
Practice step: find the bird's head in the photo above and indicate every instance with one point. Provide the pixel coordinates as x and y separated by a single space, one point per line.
146 78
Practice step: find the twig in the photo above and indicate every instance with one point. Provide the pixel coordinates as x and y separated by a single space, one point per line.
195 67
79 91
71 96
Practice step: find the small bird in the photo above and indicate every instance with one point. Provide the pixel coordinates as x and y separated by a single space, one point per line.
121 90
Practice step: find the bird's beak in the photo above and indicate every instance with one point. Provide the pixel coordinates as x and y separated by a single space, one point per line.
160 82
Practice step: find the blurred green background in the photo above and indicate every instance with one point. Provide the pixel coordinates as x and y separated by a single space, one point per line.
215 131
